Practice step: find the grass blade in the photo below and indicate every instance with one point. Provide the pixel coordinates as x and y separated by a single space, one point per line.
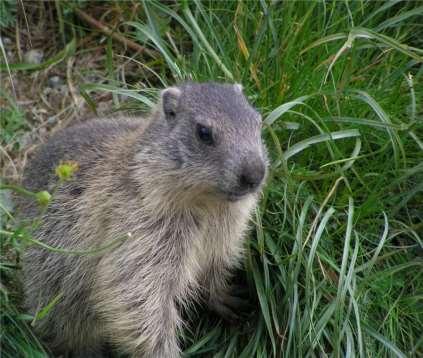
206 44
122 91
283 108
300 146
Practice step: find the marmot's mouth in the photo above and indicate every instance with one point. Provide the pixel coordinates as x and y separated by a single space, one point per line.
235 195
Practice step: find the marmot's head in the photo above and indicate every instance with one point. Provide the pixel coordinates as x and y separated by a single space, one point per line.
211 134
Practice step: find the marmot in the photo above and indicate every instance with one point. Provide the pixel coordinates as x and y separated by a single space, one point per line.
181 185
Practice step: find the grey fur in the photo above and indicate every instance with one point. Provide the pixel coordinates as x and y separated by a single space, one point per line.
180 201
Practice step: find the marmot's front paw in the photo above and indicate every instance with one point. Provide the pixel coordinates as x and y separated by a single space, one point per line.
230 308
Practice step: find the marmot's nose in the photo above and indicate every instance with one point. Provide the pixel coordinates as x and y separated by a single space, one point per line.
252 175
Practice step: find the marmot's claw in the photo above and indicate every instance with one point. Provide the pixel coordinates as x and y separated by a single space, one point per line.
239 291
225 312
230 308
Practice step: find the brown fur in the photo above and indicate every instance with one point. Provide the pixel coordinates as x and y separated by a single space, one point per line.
170 195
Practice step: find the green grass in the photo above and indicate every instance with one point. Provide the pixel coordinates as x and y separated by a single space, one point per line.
335 255
12 122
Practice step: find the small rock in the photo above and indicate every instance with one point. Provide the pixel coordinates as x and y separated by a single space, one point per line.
6 40
52 120
55 82
10 56
34 57
26 140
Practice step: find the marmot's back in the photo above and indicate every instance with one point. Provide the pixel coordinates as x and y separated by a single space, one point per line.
85 143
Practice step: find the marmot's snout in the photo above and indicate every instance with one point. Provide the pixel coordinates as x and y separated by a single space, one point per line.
251 175
248 178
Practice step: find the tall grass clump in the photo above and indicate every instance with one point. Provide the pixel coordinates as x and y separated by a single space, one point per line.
335 256
335 253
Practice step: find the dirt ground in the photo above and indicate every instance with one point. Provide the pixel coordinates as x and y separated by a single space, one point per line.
49 96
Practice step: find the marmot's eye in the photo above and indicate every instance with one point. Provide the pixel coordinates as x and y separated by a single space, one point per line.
205 134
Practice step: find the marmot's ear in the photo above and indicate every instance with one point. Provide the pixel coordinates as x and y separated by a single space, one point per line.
170 100
238 87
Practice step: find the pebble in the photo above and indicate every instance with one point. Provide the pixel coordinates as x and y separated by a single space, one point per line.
55 82
34 56
6 40
26 140
52 120
10 56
